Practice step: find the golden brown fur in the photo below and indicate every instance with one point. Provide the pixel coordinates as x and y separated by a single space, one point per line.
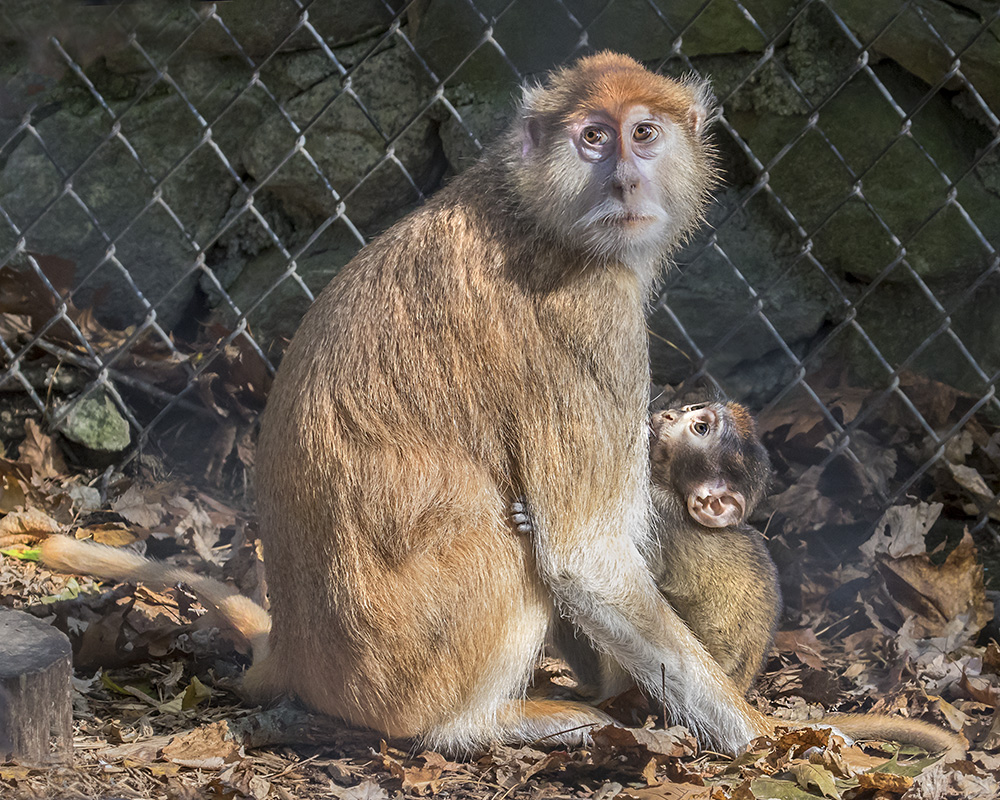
489 346
486 347
719 578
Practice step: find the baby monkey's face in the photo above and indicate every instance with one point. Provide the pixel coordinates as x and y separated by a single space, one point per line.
694 426
708 458
688 434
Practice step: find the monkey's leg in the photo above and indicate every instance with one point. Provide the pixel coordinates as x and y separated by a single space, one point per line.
551 722
492 708
521 722
599 676
607 590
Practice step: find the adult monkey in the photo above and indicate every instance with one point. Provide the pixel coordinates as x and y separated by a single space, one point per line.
491 345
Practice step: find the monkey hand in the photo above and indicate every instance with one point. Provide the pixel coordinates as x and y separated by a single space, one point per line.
521 516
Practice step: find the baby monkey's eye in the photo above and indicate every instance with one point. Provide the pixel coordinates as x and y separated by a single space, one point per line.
594 136
701 428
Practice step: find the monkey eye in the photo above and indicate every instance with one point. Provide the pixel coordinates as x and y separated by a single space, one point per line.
594 136
644 133
701 428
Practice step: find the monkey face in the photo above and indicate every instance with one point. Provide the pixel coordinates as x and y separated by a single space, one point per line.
623 208
681 443
706 457
624 177
614 159
693 426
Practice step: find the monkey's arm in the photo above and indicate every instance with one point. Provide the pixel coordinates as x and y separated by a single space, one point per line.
600 581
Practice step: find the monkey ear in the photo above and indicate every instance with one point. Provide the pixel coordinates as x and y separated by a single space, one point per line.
715 505
697 116
703 108
531 135
531 126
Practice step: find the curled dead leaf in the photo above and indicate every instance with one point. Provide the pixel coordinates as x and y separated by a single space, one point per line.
31 523
40 452
804 644
639 745
668 791
798 740
980 690
137 508
207 747
113 534
885 781
939 595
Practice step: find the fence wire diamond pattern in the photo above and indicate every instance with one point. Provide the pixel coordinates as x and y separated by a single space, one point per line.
177 182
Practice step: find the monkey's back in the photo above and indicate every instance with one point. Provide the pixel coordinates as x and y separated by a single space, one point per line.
723 582
388 456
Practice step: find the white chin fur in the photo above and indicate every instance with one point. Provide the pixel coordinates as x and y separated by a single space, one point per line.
634 244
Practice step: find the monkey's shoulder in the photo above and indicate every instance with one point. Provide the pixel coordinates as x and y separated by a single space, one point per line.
724 573
735 548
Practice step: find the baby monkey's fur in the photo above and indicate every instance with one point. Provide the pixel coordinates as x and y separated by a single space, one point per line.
709 470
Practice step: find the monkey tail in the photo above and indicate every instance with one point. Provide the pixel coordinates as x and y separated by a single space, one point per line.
66 554
916 732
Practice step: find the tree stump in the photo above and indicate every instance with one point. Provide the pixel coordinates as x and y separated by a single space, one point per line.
36 708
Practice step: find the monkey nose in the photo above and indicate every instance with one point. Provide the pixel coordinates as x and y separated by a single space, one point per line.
624 187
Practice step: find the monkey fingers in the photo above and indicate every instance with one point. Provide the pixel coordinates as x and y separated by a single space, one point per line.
521 516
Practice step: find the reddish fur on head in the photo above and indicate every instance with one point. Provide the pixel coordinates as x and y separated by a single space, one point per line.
742 421
632 201
613 83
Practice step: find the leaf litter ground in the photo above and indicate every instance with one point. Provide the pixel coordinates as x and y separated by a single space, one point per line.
899 621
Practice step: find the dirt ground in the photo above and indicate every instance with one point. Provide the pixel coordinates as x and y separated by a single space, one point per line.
900 621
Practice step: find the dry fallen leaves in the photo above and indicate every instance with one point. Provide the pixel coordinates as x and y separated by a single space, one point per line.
155 725
207 747
40 453
947 599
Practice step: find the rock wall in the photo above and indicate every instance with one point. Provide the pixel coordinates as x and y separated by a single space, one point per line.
202 165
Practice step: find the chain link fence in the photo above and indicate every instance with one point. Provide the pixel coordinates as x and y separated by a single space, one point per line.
179 180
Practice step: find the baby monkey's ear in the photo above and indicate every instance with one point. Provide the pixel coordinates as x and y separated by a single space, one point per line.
715 504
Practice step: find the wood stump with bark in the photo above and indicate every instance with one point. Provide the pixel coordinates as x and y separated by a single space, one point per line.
36 708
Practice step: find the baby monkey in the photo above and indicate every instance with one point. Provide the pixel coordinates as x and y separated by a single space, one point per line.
708 471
